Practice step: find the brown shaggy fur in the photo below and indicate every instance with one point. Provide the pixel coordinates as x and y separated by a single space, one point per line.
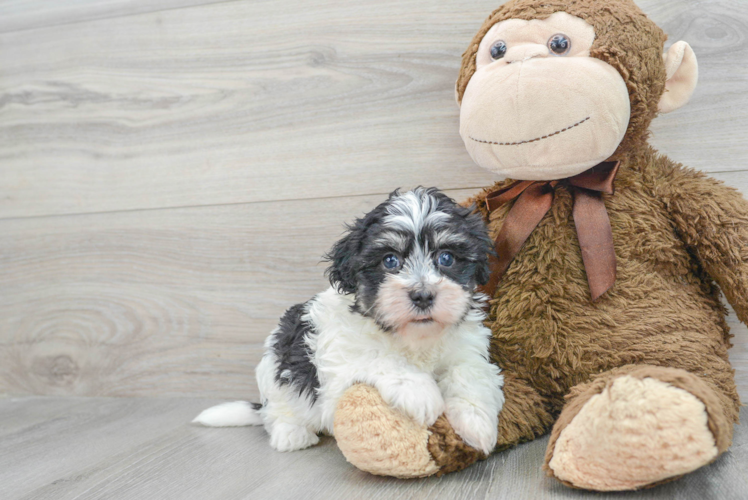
679 238
448 450
451 454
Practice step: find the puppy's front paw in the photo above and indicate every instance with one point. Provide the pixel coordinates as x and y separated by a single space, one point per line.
290 437
476 427
416 395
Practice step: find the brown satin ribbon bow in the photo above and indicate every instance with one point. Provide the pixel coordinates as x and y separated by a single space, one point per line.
534 199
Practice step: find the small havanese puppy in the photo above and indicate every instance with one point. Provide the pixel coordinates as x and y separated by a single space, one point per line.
402 315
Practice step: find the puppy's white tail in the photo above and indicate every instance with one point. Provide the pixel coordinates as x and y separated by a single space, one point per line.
235 414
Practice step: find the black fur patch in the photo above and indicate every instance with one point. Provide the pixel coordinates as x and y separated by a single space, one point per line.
294 359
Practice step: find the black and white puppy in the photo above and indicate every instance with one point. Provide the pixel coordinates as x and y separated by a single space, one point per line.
402 315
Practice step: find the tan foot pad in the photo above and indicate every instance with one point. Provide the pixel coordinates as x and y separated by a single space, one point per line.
635 433
377 439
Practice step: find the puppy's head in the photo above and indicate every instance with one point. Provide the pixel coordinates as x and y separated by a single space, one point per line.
413 262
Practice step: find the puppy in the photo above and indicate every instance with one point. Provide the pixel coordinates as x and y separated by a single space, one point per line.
402 315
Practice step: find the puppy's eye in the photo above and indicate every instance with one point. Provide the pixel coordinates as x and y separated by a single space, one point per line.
559 44
390 261
498 49
446 259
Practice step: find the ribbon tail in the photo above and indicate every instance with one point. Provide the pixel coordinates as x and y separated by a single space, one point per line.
526 213
595 240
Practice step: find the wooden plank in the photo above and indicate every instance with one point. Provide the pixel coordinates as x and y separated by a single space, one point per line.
716 32
232 103
259 101
171 302
145 448
17 15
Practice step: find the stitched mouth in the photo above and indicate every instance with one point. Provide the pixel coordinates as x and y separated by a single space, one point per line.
531 140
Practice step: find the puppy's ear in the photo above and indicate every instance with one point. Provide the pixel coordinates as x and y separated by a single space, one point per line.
484 245
482 272
483 268
342 270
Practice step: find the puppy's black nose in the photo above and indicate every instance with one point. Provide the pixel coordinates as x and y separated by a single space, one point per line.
422 299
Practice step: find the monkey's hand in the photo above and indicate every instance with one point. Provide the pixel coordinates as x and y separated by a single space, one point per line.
381 440
712 219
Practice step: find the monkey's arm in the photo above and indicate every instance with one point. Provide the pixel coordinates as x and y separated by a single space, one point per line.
524 416
712 219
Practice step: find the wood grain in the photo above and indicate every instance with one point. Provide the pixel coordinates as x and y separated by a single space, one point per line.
244 101
267 119
708 133
172 171
171 302
92 448
17 15
167 302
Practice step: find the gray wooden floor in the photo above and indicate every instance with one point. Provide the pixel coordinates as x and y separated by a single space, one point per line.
172 171
145 449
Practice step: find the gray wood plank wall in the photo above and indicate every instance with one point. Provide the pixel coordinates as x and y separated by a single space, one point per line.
171 171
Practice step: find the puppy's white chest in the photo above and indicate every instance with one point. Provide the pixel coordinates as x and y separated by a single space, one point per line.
349 339
423 353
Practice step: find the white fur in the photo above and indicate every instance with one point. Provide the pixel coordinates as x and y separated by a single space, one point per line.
415 376
413 211
237 413
423 375
424 362
394 306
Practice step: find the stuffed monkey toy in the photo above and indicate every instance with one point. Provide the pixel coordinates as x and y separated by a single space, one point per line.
605 297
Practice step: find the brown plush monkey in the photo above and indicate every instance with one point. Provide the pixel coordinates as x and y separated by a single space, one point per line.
606 314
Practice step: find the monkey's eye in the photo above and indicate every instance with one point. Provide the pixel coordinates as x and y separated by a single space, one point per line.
446 259
559 44
390 261
498 49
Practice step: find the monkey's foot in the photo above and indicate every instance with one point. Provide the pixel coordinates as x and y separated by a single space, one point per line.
381 440
636 432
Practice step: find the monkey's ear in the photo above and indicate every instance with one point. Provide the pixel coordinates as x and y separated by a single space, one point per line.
682 74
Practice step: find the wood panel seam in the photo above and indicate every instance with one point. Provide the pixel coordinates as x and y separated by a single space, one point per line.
119 16
214 205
